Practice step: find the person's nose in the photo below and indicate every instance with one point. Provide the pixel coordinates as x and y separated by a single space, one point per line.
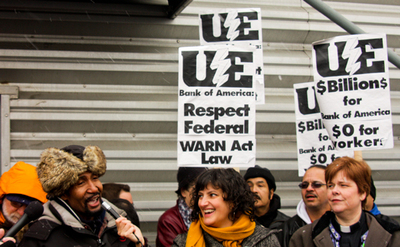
21 210
253 189
335 190
93 187
203 202
309 187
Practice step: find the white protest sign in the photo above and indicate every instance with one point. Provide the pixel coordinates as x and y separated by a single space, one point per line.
238 27
225 26
216 107
313 144
353 92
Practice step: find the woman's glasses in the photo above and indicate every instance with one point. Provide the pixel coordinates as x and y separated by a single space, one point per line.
314 185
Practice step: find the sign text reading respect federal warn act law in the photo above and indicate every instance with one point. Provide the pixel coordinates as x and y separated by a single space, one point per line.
217 111
215 146
220 83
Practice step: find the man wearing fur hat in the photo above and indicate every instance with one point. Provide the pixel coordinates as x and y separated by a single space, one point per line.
19 186
73 216
262 184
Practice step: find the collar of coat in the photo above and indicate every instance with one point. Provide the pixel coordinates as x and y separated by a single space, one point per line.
324 221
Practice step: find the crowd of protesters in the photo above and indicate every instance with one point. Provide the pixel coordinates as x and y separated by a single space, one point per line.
215 207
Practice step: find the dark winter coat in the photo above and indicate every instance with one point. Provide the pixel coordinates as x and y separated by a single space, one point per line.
170 224
262 237
288 228
273 218
58 227
381 234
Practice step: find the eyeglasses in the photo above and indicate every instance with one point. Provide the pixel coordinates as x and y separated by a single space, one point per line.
314 185
17 204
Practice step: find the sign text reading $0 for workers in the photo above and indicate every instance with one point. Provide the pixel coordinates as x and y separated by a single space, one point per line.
353 91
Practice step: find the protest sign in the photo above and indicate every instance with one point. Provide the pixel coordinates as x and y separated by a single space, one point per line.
231 26
238 27
216 106
353 92
314 146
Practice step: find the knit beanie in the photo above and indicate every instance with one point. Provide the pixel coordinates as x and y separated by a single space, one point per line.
59 169
258 171
373 189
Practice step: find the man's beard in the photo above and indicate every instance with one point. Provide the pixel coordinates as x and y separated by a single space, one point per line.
89 213
11 217
94 214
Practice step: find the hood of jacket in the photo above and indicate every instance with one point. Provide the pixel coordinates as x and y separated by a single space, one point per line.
57 213
302 212
21 179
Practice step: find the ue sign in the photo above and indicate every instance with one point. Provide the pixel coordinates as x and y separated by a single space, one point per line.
219 66
351 57
234 25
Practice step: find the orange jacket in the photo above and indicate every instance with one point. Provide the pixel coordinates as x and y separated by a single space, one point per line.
21 179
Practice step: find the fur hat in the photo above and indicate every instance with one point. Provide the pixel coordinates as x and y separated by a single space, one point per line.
59 169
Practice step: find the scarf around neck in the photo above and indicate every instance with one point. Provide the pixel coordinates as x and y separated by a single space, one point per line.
231 236
185 212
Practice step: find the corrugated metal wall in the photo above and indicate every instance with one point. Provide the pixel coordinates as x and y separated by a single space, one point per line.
111 81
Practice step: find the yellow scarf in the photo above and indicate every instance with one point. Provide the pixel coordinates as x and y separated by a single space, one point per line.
231 236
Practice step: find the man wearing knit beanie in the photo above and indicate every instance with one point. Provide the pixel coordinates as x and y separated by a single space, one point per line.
262 184
74 216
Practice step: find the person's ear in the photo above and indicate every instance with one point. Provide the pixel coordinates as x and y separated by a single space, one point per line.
182 190
64 197
363 196
271 194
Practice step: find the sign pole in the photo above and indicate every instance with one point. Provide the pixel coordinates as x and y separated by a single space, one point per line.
347 25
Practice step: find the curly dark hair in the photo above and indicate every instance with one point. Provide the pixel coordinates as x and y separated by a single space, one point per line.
233 186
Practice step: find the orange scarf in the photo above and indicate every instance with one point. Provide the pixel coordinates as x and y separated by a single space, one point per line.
231 236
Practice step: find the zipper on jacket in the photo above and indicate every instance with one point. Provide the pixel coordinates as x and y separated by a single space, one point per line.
99 242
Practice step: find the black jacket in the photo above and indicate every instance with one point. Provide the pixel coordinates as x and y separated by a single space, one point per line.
288 228
273 218
58 227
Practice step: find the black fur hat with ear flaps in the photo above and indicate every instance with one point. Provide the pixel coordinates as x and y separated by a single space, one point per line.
59 169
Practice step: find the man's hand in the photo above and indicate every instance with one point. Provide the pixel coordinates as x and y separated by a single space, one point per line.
2 232
128 230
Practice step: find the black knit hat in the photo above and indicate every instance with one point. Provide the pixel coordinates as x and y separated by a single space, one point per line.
258 171
187 176
373 189
75 150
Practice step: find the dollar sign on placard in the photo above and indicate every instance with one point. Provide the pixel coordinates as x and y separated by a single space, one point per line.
313 159
301 127
321 87
336 131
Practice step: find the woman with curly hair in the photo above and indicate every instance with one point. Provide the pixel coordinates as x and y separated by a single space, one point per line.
223 213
